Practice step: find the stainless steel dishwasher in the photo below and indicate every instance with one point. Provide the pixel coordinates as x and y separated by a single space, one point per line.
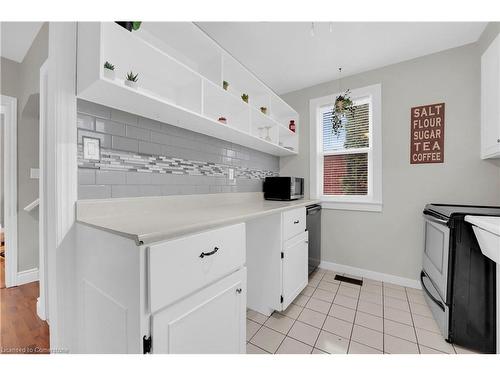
313 225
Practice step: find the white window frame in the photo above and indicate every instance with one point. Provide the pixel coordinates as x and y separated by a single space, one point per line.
373 200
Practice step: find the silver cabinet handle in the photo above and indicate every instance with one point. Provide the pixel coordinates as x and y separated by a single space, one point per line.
239 290
203 255
498 140
296 221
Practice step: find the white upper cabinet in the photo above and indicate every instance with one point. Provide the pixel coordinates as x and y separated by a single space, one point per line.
180 82
490 101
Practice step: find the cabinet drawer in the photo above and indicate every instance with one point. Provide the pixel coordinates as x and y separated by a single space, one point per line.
294 222
184 265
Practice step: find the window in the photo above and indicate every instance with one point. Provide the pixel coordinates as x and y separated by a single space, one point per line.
346 168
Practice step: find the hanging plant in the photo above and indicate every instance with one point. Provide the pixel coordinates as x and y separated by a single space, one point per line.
343 106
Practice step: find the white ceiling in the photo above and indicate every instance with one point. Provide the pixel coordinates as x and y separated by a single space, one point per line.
287 58
17 38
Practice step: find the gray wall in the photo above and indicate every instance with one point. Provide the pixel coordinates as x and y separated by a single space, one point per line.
391 241
134 150
1 170
21 80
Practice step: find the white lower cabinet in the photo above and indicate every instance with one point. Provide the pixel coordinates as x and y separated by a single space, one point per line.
277 258
209 321
184 295
294 265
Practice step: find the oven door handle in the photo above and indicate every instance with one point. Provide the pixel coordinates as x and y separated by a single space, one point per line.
434 299
435 219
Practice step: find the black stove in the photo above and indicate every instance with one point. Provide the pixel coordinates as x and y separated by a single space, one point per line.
458 281
449 210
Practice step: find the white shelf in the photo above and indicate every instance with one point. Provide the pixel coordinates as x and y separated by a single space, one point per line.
176 83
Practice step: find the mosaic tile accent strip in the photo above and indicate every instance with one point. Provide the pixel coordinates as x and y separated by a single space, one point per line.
125 161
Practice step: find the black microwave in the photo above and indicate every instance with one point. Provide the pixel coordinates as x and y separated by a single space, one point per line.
283 188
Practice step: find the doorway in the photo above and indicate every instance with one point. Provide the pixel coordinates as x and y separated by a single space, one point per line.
8 138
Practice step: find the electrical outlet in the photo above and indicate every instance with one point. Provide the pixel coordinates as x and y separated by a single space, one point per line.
91 148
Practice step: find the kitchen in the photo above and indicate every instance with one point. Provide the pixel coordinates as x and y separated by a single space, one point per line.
274 287
214 206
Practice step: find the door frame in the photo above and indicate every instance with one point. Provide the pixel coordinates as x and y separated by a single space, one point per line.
8 106
42 305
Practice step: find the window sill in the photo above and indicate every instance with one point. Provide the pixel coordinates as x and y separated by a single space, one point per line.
351 206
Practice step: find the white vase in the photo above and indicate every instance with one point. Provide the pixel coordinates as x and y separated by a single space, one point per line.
131 84
109 74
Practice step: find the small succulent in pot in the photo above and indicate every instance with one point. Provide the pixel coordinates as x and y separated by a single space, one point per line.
244 97
225 85
109 70
263 110
131 80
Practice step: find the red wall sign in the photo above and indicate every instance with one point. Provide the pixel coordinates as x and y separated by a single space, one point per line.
427 134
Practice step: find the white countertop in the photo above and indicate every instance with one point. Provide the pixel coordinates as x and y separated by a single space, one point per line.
488 223
151 219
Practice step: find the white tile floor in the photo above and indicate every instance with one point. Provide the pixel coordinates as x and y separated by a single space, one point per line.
338 318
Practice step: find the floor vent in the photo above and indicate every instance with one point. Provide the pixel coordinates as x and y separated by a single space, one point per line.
349 280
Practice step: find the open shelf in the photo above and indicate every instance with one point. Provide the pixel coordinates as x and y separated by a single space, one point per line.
288 139
180 71
264 127
187 44
216 104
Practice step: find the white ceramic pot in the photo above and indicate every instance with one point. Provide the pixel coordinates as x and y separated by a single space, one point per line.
131 84
109 74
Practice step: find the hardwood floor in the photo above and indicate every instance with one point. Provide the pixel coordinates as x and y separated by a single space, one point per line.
2 259
21 329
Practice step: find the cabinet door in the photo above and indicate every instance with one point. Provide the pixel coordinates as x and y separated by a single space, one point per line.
294 266
209 321
490 100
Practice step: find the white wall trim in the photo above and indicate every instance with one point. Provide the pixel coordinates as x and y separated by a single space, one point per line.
60 186
27 276
374 197
8 106
374 275
352 206
42 305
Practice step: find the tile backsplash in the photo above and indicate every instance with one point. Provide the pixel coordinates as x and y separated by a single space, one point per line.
142 157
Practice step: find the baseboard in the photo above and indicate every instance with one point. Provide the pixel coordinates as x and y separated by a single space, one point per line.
28 276
361 272
39 311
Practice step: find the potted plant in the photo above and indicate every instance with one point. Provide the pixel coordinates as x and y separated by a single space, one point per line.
342 107
263 110
130 25
225 85
245 98
109 70
131 80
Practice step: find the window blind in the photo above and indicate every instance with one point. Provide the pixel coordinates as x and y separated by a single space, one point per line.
346 154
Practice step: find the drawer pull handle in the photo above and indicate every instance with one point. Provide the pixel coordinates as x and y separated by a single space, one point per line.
296 221
203 255
238 290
